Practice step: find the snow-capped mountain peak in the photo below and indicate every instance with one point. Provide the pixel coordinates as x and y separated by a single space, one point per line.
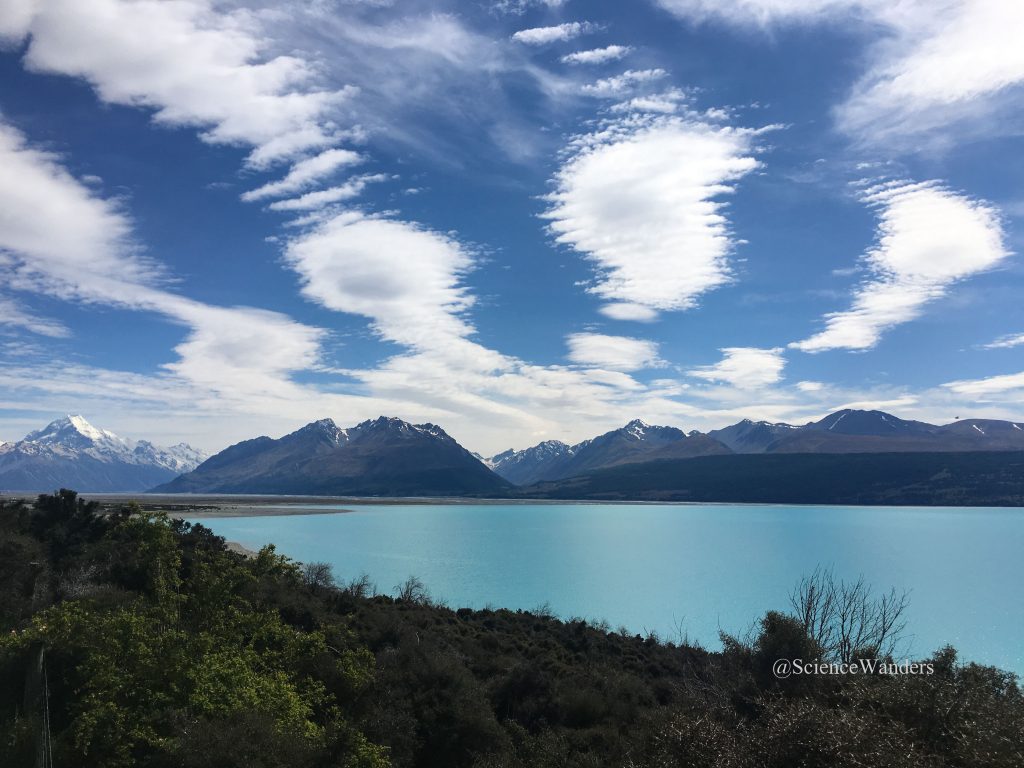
70 451
72 432
637 428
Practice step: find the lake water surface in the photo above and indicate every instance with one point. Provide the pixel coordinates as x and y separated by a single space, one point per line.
694 568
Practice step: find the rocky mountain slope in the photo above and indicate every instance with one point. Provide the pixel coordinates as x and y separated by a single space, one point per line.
72 453
383 457
635 442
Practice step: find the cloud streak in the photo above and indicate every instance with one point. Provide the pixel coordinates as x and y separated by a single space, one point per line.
321 198
938 64
192 64
991 385
745 368
1006 342
306 173
597 55
929 238
556 34
616 353
610 87
59 238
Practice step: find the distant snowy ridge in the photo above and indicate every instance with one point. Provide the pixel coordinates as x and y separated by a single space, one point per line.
72 452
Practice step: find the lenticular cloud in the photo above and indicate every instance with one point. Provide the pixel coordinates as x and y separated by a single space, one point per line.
928 239
642 199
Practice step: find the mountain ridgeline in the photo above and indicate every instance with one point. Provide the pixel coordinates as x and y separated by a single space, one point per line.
383 457
71 452
633 443
843 432
850 456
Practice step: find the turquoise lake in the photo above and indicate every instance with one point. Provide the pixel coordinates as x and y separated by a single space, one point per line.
689 568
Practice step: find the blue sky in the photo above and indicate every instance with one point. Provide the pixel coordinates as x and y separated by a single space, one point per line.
522 220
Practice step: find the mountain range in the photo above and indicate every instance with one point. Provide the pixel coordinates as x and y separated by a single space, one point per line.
845 431
72 453
636 442
391 457
383 457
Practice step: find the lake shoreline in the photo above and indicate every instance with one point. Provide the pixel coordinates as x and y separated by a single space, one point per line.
649 566
261 505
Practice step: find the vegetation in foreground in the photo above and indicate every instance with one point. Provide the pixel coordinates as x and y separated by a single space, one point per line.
129 639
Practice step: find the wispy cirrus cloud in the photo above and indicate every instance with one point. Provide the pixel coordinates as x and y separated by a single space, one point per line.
14 314
1011 383
937 67
610 87
640 197
1006 342
306 173
321 198
929 238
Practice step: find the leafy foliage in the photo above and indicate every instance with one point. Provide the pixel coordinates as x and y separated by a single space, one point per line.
136 640
175 649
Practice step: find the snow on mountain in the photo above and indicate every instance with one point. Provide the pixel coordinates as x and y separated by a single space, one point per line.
636 441
381 457
751 436
542 461
71 452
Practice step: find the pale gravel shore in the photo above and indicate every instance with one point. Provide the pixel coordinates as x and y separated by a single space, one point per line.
201 513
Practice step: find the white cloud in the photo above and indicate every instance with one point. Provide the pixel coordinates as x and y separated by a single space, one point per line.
640 197
192 63
597 55
560 33
404 277
616 353
15 19
306 173
935 65
619 84
240 353
408 281
666 102
1005 342
929 238
744 367
810 386
992 385
623 310
55 232
59 238
313 201
951 62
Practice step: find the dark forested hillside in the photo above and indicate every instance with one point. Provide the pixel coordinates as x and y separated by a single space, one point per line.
128 639
958 479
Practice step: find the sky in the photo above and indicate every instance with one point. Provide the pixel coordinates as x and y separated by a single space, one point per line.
519 219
